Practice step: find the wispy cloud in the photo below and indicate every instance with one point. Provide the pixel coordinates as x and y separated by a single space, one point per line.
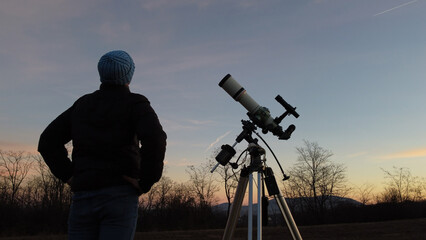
161 4
414 153
113 31
184 124
179 163
358 154
394 8
217 140
152 5
193 57
199 123
46 9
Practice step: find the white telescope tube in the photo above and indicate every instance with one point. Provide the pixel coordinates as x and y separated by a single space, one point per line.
238 93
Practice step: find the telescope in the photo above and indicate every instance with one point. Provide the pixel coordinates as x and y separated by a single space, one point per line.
258 114
260 117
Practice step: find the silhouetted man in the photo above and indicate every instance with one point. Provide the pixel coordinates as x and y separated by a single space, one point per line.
118 152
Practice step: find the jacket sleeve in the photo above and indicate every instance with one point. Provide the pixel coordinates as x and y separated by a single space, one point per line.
153 145
52 146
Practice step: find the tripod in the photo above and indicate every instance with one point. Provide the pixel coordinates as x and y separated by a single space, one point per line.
246 177
262 118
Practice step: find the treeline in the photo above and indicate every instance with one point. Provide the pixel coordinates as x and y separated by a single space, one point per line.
33 201
352 212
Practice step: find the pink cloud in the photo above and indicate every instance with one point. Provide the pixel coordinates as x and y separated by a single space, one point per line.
414 153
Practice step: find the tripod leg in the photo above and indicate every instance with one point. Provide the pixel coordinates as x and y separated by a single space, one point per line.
259 205
285 211
250 209
236 207
273 189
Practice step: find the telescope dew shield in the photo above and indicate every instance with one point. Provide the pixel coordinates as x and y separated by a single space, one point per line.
238 93
258 114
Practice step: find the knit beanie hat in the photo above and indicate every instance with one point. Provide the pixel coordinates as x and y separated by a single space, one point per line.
116 67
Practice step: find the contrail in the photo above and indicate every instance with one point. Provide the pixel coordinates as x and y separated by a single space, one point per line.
399 6
217 140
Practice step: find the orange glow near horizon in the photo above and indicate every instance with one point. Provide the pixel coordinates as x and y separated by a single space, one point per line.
414 153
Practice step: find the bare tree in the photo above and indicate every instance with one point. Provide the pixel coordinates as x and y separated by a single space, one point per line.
364 193
3 185
227 177
203 184
161 192
159 195
146 201
182 196
54 191
402 186
15 166
230 182
315 179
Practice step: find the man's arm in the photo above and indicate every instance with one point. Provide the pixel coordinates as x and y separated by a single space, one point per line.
52 146
153 141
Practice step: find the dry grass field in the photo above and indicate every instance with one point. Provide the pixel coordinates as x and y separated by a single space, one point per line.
413 229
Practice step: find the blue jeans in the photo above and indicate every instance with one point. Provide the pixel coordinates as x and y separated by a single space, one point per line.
108 213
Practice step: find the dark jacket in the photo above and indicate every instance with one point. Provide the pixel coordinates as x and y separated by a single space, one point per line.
114 132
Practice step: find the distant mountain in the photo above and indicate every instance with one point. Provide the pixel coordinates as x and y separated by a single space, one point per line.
295 204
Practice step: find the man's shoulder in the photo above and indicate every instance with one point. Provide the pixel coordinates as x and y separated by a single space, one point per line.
136 97
87 96
130 98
